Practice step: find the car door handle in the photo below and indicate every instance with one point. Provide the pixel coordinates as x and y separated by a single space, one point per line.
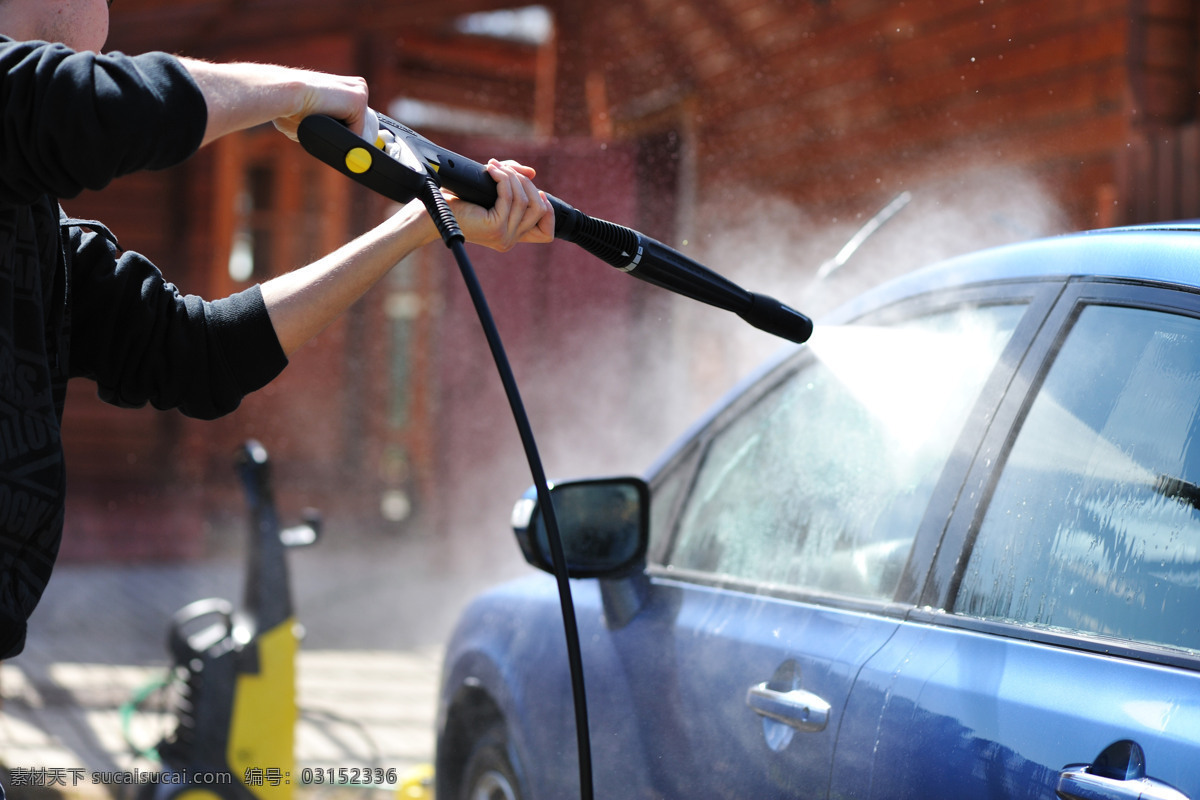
1118 773
1076 783
796 708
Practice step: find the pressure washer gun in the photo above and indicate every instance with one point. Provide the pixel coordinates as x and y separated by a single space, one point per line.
400 160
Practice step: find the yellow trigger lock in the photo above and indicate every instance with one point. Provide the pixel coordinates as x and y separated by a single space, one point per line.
358 160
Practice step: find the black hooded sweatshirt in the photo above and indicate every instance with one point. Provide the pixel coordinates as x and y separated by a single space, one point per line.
73 304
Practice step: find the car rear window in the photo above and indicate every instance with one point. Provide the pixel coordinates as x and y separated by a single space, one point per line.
1094 524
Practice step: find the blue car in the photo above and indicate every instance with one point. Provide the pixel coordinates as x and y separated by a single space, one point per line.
950 548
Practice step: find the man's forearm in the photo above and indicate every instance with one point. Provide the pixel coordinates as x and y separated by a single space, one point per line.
302 303
241 96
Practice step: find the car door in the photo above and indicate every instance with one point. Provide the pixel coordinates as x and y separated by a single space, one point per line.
1059 650
789 545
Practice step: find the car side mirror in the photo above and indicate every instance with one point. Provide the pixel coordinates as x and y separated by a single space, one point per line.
604 524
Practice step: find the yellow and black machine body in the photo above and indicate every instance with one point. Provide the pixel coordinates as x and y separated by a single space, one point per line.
234 668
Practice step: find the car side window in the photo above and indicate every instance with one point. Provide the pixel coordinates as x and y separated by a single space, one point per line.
1094 523
822 483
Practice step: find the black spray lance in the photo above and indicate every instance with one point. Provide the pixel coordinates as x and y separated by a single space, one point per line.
624 248
402 165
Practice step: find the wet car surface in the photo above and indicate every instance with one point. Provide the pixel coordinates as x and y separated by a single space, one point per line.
949 548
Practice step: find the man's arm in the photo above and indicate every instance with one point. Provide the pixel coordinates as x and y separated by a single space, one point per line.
242 95
302 303
142 341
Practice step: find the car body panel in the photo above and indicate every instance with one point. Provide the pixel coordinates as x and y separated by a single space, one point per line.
703 737
500 635
705 669
944 712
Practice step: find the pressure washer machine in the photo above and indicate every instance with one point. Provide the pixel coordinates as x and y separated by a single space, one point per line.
233 669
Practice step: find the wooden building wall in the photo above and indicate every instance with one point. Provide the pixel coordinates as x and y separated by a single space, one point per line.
670 113
838 104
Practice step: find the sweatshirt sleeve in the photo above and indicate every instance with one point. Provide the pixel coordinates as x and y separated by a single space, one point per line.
71 121
142 341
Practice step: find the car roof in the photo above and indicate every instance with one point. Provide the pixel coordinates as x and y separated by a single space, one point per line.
1165 252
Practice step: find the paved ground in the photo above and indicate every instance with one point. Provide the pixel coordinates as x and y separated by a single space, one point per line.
376 617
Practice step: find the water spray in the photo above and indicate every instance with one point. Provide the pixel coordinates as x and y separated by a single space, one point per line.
401 165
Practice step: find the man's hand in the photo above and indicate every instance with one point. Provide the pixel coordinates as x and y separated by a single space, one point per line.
343 98
521 213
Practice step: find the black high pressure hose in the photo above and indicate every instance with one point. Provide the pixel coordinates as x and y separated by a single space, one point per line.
419 168
439 209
